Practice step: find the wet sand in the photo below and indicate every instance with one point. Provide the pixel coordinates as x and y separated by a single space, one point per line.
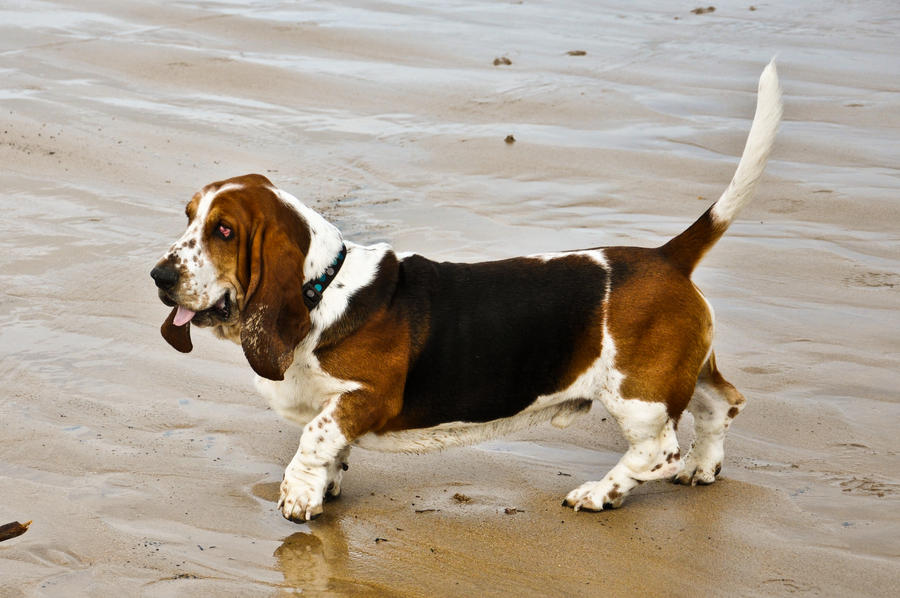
147 472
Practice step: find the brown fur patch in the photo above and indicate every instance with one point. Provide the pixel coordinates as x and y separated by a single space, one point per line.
687 249
661 327
376 355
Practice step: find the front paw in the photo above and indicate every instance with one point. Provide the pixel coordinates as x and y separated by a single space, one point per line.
301 499
596 496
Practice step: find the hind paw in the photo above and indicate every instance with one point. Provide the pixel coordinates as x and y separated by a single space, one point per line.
698 474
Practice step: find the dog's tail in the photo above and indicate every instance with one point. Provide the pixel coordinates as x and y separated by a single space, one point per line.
687 249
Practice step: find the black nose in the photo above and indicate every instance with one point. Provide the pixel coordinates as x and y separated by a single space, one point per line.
165 276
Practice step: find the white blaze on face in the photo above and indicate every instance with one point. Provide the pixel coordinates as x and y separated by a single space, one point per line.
199 286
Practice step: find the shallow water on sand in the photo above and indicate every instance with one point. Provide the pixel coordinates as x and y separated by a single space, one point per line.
156 473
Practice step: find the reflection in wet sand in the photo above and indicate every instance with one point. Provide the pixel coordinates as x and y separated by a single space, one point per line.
316 564
302 559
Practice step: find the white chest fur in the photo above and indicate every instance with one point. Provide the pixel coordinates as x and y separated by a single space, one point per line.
306 387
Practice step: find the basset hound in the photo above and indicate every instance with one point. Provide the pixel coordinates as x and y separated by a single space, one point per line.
362 346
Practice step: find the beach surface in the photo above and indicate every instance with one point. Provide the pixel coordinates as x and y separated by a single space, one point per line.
152 473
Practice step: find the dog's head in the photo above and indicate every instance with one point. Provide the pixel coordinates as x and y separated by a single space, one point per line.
239 269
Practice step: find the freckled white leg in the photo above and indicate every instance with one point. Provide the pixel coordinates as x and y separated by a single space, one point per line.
714 404
315 465
652 454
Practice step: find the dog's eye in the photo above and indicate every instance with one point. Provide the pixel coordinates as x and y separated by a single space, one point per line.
224 231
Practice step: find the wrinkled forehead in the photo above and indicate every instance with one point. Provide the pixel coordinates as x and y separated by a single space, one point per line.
233 189
201 203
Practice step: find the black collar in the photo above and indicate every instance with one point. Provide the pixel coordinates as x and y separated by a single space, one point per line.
312 290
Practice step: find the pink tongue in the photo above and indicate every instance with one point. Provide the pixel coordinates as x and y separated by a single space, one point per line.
183 316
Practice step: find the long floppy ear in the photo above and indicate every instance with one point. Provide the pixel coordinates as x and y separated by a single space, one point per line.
274 319
177 336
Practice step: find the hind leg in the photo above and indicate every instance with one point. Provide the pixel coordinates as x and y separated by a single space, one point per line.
652 454
335 474
714 405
